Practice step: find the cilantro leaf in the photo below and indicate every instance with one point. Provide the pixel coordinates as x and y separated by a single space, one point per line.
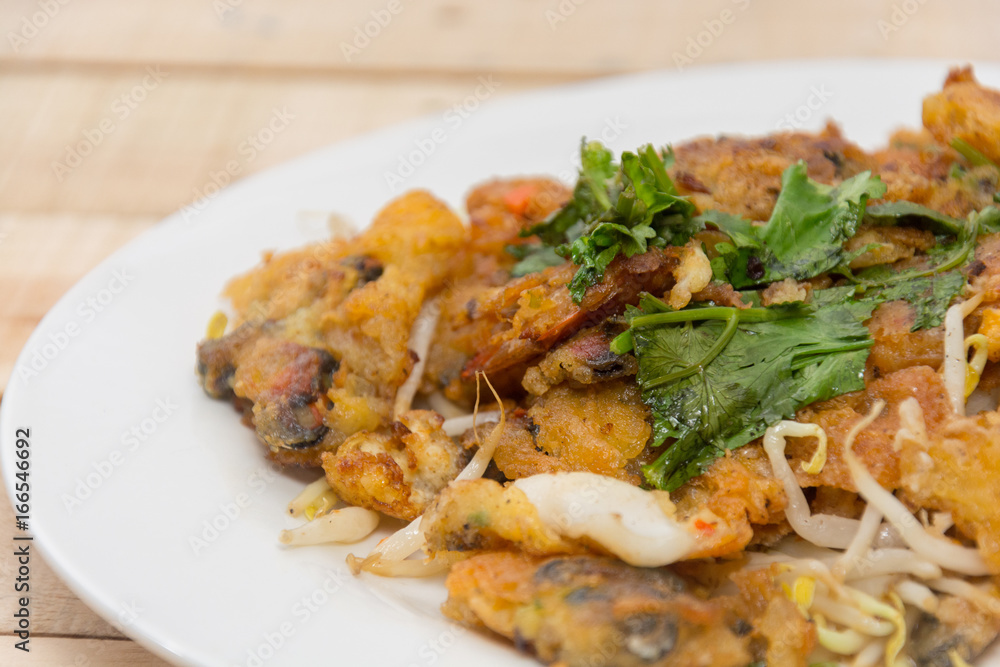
805 234
970 153
896 212
533 257
616 210
775 361
590 196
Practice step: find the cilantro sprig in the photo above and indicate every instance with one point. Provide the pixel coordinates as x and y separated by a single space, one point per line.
804 236
616 209
716 378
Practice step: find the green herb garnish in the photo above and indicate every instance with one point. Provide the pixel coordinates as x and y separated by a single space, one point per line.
716 378
975 158
804 236
615 210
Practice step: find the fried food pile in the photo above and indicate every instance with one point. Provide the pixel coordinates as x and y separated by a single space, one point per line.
745 406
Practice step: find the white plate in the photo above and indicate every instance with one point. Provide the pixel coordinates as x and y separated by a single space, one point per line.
239 598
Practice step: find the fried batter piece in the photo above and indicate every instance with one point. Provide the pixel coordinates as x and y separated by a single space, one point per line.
967 111
741 490
575 609
778 633
397 470
498 211
501 209
482 515
874 446
321 338
957 626
956 471
598 428
891 244
984 272
742 176
896 347
916 168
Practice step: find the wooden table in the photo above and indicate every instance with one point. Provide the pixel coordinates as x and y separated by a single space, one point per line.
117 112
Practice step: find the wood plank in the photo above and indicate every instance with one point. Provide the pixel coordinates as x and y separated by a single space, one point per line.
554 36
42 256
72 142
70 652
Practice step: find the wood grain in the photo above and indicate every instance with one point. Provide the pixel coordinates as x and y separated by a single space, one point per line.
578 37
121 141
78 652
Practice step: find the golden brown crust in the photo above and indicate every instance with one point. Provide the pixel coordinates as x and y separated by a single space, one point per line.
741 490
397 470
498 211
597 428
571 610
584 359
874 445
957 472
966 110
481 515
350 304
742 176
529 315
783 637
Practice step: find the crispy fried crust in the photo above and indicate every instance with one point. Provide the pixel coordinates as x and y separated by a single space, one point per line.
397 470
965 110
874 445
321 338
779 634
739 489
957 472
743 176
571 610
498 211
598 428
584 359
956 626
482 515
